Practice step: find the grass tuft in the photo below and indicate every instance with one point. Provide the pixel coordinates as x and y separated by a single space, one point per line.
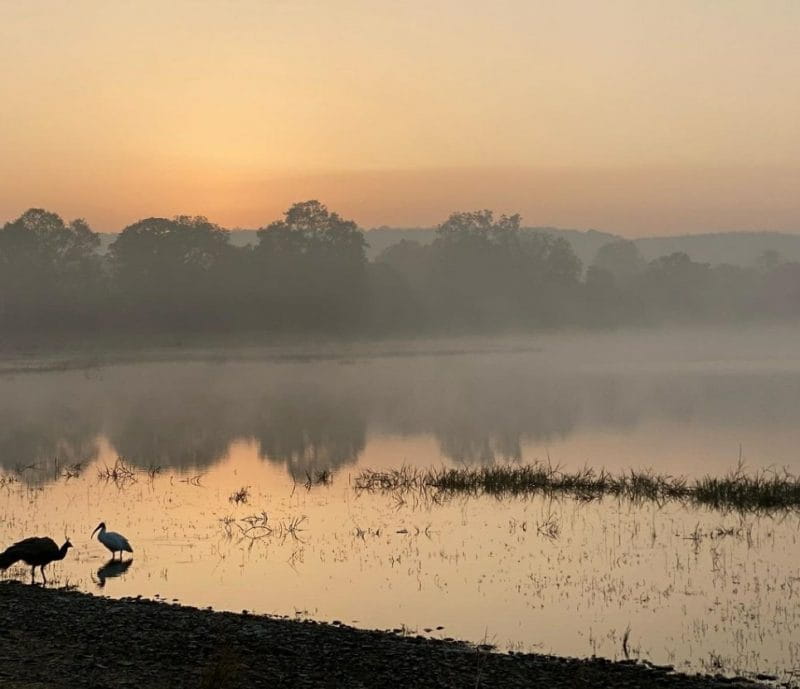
764 491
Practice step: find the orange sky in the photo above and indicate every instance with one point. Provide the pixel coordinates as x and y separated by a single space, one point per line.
635 116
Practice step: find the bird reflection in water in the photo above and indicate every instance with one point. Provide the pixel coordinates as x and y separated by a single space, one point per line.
112 568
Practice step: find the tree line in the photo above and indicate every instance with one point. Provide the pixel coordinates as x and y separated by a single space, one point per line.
308 273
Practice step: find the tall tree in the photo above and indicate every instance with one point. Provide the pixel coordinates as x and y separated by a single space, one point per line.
172 269
49 269
479 229
676 287
310 268
490 273
622 259
310 229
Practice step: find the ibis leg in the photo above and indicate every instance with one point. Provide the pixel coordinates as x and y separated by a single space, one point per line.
44 578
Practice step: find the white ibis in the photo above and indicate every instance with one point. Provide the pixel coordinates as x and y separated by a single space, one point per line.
36 552
116 543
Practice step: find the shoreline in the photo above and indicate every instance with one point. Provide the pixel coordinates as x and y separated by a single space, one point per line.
59 638
75 352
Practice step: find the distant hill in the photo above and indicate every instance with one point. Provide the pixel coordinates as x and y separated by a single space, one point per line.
736 248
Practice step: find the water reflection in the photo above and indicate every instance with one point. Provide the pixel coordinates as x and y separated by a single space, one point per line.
309 435
321 415
30 438
688 582
111 569
164 429
692 585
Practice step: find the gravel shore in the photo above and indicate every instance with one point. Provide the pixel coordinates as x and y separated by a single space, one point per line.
57 638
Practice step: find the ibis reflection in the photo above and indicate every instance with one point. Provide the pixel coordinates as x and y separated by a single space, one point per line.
111 569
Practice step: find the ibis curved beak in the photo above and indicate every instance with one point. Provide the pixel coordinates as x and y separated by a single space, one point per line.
96 529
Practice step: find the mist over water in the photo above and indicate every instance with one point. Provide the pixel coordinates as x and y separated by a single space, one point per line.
220 501
573 399
513 400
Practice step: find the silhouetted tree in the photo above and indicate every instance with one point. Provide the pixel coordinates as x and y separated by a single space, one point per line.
471 273
309 273
779 294
310 269
733 293
173 271
488 273
768 261
309 229
393 305
603 299
478 229
674 286
49 271
551 258
612 291
622 259
409 259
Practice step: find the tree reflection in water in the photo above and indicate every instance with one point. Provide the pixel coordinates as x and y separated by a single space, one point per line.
318 415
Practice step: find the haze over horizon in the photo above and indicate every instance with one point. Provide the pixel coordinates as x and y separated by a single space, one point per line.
638 118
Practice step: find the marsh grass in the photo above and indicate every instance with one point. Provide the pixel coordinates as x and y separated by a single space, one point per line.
256 527
121 473
241 496
625 638
8 480
759 492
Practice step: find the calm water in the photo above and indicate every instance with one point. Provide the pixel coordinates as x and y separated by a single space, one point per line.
699 589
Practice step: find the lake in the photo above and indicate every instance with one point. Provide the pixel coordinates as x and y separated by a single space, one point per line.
236 487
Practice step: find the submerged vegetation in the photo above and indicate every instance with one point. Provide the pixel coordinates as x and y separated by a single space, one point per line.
761 491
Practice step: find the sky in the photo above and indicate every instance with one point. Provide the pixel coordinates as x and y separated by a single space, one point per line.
638 117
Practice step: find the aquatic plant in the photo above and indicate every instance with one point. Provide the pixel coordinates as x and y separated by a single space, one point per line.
241 496
258 526
761 491
120 473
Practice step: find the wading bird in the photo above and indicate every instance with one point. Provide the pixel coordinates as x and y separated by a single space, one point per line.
116 543
36 552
